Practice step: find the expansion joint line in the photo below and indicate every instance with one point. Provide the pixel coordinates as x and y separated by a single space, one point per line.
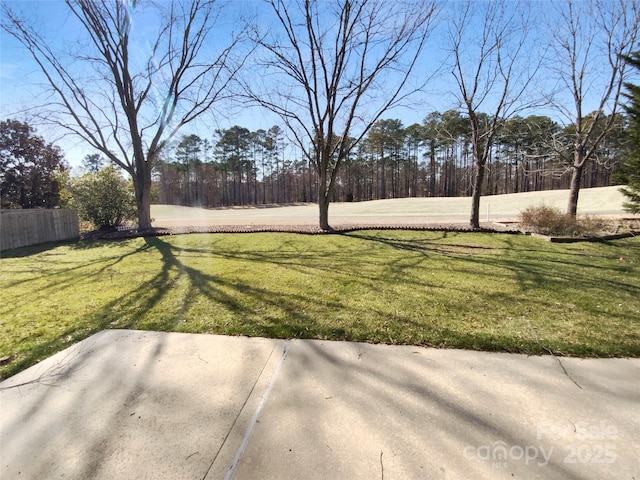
256 414
254 419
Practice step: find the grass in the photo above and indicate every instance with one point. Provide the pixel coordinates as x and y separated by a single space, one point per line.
467 290
593 201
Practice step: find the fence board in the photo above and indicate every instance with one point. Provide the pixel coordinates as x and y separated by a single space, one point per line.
20 228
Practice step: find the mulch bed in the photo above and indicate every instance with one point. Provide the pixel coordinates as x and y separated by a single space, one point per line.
98 235
299 229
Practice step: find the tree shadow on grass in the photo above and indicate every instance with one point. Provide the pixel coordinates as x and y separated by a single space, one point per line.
37 249
548 277
261 310
76 268
76 244
528 264
138 308
245 301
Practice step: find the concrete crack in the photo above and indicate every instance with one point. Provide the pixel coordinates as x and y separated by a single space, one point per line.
564 369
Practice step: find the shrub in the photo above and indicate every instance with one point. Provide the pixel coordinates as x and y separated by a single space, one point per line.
104 198
547 221
590 226
552 221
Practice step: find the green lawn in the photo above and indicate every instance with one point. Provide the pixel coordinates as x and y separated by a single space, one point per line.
479 291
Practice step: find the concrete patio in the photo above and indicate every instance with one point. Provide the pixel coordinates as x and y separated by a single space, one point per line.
146 405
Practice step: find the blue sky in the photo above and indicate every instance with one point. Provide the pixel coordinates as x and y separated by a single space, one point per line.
20 79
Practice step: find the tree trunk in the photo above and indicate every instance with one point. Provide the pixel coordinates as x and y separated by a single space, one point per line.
574 190
323 204
324 197
310 183
477 193
143 200
432 171
383 179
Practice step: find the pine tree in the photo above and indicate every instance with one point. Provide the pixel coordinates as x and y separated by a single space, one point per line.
630 169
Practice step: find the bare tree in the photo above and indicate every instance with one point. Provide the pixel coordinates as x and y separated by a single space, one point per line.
124 103
589 40
492 71
331 69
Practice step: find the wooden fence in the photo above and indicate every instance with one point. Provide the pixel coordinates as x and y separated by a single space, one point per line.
20 228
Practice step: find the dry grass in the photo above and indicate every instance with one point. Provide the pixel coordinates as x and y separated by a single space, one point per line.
401 211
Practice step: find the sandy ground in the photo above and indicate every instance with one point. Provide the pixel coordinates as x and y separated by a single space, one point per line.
605 201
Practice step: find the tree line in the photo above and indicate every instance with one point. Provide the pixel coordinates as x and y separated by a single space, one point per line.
432 159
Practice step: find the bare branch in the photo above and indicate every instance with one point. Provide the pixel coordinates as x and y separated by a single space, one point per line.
123 107
331 70
589 43
492 74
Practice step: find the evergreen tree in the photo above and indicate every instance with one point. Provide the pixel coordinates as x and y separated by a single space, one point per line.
630 170
29 168
93 163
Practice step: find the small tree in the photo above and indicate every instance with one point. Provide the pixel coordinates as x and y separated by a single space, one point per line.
123 101
333 69
492 73
630 169
104 198
588 42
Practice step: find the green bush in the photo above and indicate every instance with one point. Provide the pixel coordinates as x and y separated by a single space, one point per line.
104 198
